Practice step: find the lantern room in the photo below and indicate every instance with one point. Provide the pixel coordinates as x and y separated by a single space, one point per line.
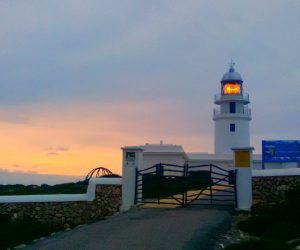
232 83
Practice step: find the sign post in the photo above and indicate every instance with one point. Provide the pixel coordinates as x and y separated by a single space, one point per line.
132 160
281 151
243 160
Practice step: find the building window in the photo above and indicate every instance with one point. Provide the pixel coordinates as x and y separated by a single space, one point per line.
232 107
232 127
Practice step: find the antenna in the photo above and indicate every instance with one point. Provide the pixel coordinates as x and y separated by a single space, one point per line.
231 65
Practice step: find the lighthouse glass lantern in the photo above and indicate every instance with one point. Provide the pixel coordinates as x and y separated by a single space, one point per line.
232 88
233 84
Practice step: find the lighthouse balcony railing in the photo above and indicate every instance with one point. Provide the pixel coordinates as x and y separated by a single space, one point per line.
239 97
246 111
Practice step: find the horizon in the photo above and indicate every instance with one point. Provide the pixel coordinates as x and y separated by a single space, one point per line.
78 81
11 178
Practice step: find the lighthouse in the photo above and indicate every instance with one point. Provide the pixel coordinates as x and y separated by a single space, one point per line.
232 116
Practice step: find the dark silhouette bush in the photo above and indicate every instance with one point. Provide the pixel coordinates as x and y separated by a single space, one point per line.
275 226
259 245
293 201
4 218
65 188
22 230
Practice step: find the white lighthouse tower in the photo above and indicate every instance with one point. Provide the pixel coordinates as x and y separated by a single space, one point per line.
233 116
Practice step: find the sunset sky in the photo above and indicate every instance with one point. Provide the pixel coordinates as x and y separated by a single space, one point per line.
81 79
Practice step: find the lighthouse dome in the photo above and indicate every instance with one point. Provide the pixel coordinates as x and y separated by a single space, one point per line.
232 76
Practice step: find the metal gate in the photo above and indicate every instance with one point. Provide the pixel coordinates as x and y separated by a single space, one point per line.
185 185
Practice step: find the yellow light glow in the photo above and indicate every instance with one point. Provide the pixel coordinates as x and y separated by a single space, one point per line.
232 88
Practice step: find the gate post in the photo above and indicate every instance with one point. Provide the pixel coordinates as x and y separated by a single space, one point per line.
243 159
132 160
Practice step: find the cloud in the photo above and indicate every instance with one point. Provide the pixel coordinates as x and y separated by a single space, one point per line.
57 150
15 165
92 134
32 178
4 170
13 116
81 79
52 153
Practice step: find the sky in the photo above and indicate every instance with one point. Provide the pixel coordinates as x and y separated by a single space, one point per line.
81 79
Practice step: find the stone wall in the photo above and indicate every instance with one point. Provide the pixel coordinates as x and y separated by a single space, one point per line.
69 214
270 190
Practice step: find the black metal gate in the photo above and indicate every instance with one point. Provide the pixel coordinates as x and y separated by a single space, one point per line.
186 185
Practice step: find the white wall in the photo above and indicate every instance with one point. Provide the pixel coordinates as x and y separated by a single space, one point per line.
226 164
152 159
276 172
279 165
224 161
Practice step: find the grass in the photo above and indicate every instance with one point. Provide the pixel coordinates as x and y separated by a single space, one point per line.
274 227
21 230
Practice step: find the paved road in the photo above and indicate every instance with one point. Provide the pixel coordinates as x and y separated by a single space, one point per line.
180 228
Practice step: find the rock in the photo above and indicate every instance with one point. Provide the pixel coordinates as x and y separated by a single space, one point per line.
294 242
20 246
14 216
242 235
228 237
283 188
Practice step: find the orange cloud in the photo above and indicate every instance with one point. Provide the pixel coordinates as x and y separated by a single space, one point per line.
72 139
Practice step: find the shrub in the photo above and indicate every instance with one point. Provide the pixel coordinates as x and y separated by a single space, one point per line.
282 230
22 230
64 188
274 225
293 201
4 218
259 245
281 220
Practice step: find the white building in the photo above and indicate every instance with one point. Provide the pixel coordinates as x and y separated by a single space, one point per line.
232 129
175 154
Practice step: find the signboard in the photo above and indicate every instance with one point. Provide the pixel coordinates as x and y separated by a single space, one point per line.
130 156
242 158
281 151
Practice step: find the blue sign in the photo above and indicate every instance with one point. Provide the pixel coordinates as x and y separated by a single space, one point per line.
281 151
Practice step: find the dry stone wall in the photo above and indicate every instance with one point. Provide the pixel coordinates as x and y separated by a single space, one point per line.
69 214
270 190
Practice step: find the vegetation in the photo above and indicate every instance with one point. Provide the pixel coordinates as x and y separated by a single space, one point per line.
274 228
21 230
259 245
65 188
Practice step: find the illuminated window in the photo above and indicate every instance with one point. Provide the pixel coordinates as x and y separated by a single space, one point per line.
232 88
232 127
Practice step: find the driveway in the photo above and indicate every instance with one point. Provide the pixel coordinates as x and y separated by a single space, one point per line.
179 228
